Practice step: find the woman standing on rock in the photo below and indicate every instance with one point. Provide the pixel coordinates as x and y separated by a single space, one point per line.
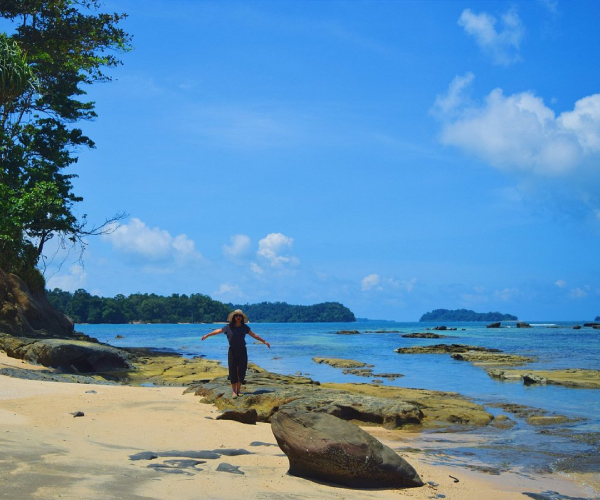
237 358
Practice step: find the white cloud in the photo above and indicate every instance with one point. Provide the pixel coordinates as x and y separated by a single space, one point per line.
152 244
229 290
240 244
561 283
472 298
274 247
370 281
506 294
577 293
502 46
71 281
519 132
255 268
455 97
382 283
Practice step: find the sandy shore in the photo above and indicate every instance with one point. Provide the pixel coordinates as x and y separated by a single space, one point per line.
49 453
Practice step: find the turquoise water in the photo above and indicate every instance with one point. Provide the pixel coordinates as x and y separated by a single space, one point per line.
553 344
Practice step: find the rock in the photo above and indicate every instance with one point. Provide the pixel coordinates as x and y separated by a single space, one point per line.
78 414
73 356
348 332
426 335
494 325
440 327
547 420
325 448
503 422
359 372
491 358
591 325
572 377
119 337
522 324
531 379
29 313
443 349
577 327
248 416
232 469
341 363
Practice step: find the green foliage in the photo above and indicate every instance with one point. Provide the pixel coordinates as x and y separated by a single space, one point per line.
281 312
465 315
82 307
57 47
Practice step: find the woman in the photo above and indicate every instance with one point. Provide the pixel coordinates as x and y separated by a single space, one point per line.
237 358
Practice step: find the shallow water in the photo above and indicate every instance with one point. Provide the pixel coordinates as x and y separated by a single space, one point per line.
553 344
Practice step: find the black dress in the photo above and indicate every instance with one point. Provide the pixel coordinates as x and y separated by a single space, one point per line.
237 356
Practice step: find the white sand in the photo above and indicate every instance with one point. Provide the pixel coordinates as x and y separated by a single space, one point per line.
47 453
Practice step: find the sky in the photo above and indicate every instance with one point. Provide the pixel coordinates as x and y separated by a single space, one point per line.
394 156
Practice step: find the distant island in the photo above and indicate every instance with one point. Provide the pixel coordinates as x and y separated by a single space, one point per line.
597 318
281 312
83 307
465 315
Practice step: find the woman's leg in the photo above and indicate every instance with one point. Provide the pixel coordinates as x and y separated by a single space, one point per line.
233 371
242 367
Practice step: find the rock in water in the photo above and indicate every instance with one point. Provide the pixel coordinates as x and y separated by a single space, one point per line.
326 448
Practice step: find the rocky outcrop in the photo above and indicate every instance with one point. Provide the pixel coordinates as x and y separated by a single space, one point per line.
443 349
72 356
491 358
522 324
348 332
28 314
248 416
325 448
341 363
494 325
390 407
574 377
425 335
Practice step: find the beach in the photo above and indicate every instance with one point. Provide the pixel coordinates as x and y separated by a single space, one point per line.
50 453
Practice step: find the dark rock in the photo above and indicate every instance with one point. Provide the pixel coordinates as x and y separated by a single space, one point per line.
71 356
119 337
78 414
494 325
443 349
426 335
531 379
577 327
248 416
325 448
185 464
592 325
91 392
232 469
522 324
440 327
168 469
144 455
261 443
348 332
233 452
359 372
202 455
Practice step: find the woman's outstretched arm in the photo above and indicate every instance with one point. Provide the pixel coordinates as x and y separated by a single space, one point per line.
214 332
254 336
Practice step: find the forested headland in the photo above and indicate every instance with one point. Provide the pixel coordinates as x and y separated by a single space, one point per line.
83 307
465 315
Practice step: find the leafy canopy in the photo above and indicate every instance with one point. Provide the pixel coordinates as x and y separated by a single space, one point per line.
57 47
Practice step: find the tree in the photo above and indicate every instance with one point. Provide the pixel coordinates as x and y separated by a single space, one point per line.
65 44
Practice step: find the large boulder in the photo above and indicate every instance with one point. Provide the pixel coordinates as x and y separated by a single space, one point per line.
69 355
323 447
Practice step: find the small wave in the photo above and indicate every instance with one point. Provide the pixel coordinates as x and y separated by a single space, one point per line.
544 324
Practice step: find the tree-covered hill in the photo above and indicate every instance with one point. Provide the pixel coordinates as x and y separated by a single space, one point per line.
281 312
83 307
465 315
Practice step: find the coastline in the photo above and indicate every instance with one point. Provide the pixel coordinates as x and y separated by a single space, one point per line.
49 452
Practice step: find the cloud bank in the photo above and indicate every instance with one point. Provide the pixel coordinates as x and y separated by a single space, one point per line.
518 131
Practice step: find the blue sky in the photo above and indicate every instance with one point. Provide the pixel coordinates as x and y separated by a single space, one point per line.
393 156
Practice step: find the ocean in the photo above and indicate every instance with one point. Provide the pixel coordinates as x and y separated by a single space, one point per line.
571 447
